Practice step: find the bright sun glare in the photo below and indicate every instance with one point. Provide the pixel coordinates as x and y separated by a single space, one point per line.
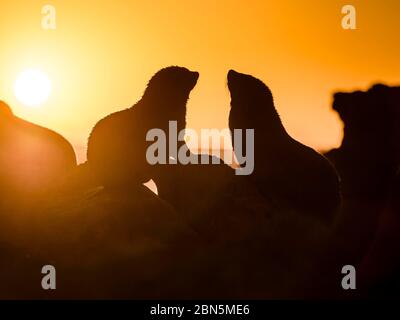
32 87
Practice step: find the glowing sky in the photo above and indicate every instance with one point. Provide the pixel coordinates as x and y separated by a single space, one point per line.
103 52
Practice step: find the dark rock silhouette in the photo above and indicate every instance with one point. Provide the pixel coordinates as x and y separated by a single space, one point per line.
108 244
33 159
284 168
380 266
369 155
117 145
379 274
121 244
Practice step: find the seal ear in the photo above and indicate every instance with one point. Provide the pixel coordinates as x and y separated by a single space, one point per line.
346 104
5 110
341 104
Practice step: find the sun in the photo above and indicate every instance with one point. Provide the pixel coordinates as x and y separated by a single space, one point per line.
32 87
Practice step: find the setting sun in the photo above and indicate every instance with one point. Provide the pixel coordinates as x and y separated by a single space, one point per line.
32 87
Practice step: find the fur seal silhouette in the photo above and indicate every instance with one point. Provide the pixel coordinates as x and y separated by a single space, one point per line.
284 168
369 155
117 145
33 159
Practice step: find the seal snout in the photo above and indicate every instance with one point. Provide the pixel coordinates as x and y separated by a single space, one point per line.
195 75
232 75
233 78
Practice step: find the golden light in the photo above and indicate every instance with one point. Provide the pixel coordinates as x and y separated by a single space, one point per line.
32 87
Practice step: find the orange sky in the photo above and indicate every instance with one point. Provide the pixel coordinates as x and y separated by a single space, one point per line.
103 52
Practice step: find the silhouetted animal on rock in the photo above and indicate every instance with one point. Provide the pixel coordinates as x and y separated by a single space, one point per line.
117 145
370 152
33 159
284 168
